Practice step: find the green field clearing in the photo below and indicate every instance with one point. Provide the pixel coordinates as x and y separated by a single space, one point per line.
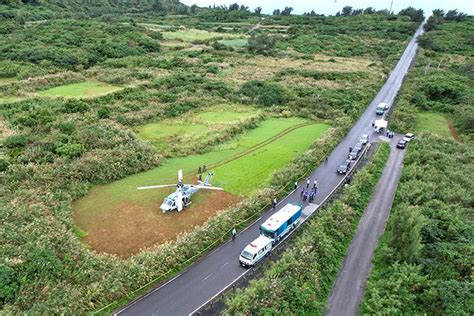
237 42
191 35
196 125
8 99
434 123
240 176
86 89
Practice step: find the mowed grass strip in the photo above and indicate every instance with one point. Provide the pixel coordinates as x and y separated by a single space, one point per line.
237 42
191 35
435 123
86 89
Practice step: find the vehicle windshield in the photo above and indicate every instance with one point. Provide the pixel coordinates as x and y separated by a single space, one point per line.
266 233
169 202
247 255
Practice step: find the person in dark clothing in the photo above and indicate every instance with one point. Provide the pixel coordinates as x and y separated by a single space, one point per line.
350 149
326 159
203 168
200 177
199 170
296 185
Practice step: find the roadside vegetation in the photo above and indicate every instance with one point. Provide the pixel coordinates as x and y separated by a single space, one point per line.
56 150
423 262
301 280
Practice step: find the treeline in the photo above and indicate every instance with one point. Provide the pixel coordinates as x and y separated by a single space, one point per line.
72 45
34 10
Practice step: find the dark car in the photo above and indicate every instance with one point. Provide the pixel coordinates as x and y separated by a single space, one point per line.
354 154
344 167
359 145
402 144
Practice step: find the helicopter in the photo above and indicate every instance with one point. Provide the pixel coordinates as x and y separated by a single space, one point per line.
181 198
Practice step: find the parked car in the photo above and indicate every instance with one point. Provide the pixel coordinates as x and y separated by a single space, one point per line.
401 144
354 154
344 167
255 251
364 139
359 145
380 109
409 137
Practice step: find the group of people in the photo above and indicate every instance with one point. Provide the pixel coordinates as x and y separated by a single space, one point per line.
306 192
201 170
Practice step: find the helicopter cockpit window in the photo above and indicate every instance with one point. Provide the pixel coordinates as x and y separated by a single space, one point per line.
170 202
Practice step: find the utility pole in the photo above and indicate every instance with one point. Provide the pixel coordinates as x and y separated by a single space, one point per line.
391 5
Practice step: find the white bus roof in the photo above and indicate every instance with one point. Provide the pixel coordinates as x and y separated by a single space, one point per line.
257 244
280 217
380 123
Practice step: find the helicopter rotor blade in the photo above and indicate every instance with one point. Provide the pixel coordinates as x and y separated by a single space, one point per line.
179 201
208 187
156 186
180 176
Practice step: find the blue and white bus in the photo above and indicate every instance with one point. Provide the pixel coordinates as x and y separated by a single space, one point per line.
281 222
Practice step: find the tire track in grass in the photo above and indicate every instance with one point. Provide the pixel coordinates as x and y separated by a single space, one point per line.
260 145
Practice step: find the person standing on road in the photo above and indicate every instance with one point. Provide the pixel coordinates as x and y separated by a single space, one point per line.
234 233
315 183
274 203
296 185
326 159
350 149
307 183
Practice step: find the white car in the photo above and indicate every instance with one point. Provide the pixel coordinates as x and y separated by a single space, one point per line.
255 251
409 137
364 139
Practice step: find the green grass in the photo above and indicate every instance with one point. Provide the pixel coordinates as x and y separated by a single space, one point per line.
8 99
163 132
240 176
237 42
435 123
191 35
86 89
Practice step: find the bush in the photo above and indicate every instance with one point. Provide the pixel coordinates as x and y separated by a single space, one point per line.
16 141
263 92
70 150
263 44
8 283
103 112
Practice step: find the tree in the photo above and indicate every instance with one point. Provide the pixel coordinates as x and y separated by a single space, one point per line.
287 11
414 14
276 12
193 8
455 15
234 7
258 10
369 10
158 6
346 11
406 233
439 13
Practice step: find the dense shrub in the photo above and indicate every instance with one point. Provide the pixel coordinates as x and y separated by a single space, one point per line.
16 141
263 92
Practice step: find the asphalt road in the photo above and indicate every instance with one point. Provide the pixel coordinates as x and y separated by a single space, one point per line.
209 276
348 289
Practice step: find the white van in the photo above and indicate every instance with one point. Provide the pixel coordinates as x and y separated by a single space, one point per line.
255 251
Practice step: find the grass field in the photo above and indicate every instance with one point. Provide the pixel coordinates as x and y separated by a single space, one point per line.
192 126
434 123
86 89
241 166
237 42
191 35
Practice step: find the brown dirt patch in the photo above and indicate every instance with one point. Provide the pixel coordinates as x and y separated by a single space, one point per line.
130 227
